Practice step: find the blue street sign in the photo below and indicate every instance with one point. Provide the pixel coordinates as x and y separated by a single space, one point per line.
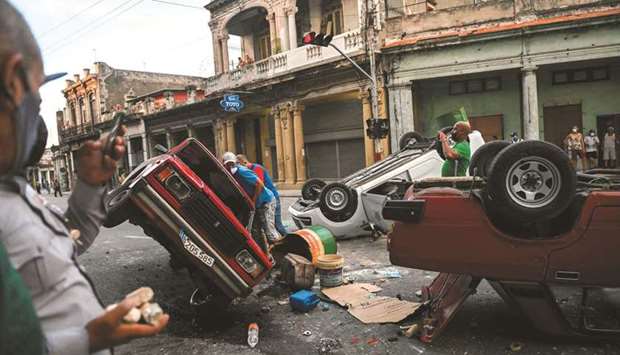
232 103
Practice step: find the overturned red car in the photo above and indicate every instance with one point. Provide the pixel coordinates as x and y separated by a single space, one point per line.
187 201
525 222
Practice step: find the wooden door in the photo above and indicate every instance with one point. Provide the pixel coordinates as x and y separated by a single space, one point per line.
491 127
558 121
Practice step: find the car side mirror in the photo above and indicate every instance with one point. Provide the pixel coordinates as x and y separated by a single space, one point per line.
161 149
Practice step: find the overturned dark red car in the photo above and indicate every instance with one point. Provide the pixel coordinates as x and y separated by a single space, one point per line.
187 201
525 222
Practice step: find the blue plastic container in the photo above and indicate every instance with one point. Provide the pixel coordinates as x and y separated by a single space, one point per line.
303 301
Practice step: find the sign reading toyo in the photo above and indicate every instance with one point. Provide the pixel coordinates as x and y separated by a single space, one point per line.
232 103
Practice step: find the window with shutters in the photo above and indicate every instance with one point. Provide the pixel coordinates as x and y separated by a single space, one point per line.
332 20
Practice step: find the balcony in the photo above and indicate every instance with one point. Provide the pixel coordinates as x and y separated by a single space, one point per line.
75 133
288 62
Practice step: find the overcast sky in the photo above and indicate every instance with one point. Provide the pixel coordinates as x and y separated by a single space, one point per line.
127 34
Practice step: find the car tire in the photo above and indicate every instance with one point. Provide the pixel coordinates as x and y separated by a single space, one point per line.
482 158
438 145
409 138
118 207
311 190
530 182
338 202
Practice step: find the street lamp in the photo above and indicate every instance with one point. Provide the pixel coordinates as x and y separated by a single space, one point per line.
377 127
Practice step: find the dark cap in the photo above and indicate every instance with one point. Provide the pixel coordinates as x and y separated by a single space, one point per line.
51 77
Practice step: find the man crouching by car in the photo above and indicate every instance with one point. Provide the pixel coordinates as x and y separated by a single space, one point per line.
264 200
457 157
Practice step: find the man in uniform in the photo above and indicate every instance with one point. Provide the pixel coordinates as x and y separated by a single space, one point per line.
457 157
41 241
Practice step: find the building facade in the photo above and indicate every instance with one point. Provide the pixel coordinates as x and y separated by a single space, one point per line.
93 98
532 67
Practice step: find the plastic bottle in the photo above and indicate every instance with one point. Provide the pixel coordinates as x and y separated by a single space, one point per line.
253 335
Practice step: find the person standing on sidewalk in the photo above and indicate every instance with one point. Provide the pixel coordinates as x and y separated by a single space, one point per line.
609 148
592 143
41 241
575 147
264 176
57 189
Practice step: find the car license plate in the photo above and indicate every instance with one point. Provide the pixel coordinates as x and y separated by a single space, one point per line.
195 250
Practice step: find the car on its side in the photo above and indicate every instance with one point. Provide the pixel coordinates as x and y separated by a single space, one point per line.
532 227
352 206
187 201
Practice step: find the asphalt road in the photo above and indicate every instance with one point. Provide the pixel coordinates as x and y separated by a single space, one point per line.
123 259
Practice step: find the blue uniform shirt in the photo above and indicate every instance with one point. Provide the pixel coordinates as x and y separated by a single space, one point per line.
265 177
249 181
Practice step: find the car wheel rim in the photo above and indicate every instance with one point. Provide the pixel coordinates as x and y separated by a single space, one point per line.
533 182
119 197
337 199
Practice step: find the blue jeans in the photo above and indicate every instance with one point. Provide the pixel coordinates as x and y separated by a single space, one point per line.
279 226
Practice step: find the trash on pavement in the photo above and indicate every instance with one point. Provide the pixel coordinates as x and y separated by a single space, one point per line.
516 346
324 307
373 341
307 333
365 275
352 294
297 271
327 345
412 330
367 307
303 300
330 270
310 243
253 335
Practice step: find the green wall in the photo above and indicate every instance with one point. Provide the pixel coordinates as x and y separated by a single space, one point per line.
596 98
433 99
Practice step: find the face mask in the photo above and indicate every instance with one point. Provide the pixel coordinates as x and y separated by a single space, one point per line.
27 130
574 130
592 134
39 146
233 170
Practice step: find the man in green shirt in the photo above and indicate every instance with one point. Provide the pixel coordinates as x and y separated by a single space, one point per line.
457 157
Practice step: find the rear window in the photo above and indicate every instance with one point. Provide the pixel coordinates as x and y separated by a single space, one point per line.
209 170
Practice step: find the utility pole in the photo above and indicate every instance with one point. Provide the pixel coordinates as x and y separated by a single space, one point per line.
374 95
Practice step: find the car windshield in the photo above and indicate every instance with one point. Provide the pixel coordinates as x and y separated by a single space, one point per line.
210 171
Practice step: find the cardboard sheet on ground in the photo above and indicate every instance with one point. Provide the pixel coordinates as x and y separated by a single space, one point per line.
364 305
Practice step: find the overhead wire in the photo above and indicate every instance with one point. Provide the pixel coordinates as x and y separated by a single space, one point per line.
73 17
178 4
102 20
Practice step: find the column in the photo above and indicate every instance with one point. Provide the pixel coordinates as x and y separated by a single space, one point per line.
220 137
217 54
146 146
530 104
288 141
292 28
282 27
71 170
169 141
367 114
273 35
401 112
279 143
224 48
129 156
264 143
300 152
383 113
230 136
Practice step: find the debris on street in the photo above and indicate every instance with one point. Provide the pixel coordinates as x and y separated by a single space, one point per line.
253 335
327 345
516 346
297 272
365 275
303 301
330 270
307 333
367 307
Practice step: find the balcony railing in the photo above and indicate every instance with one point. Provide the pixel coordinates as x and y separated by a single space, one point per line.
76 132
299 58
